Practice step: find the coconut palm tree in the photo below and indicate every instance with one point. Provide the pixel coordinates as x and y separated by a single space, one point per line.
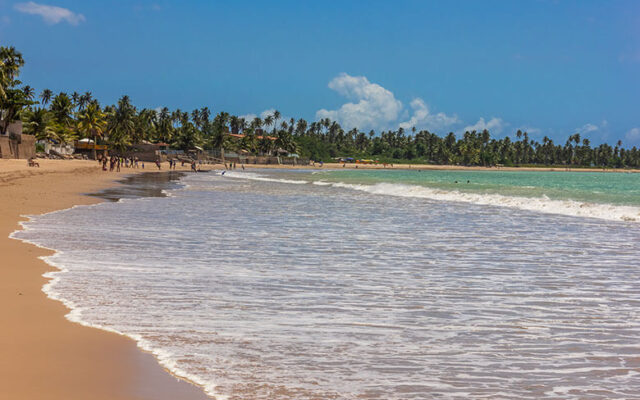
268 121
121 123
39 123
276 117
45 96
165 125
92 123
10 63
29 92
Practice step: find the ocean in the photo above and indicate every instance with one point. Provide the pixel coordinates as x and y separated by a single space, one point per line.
385 284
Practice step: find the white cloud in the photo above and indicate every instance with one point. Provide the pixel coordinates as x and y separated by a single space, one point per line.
531 130
601 130
422 118
494 125
248 117
586 128
267 113
373 106
633 136
50 14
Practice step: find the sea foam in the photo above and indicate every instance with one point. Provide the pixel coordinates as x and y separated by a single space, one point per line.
544 204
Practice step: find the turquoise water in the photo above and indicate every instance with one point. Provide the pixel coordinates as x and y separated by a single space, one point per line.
596 187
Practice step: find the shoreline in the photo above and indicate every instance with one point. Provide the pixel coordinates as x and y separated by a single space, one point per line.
44 352
433 167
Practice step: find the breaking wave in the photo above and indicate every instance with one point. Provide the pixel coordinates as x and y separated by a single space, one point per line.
543 204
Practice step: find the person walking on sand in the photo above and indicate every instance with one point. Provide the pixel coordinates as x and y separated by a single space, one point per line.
193 166
118 164
158 163
104 163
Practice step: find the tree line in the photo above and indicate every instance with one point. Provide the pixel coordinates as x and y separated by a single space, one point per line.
63 118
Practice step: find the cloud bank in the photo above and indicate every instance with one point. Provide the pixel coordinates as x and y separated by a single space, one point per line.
422 118
633 136
494 125
50 14
372 105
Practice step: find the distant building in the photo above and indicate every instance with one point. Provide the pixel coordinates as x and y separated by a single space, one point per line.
14 144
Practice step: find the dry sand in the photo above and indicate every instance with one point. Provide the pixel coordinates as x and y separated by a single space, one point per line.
43 355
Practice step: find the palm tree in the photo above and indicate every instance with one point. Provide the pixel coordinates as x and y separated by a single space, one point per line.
84 99
92 123
29 92
39 123
10 63
122 123
62 110
276 117
45 96
165 127
268 121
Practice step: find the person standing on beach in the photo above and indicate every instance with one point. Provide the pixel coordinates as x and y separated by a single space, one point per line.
193 166
118 164
158 163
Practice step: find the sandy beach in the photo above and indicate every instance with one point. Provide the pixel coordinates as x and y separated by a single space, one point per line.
43 354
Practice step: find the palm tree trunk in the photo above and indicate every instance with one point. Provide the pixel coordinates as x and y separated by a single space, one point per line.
95 143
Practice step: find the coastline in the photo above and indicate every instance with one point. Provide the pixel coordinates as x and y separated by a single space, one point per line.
435 167
42 351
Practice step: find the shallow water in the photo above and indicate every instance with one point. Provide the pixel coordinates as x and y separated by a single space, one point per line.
260 288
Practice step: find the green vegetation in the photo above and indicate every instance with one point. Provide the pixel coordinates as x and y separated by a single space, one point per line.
64 118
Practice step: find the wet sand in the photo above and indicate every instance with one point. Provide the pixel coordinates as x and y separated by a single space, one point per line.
44 356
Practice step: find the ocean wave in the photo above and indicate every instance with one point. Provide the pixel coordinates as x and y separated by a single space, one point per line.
75 314
262 178
542 204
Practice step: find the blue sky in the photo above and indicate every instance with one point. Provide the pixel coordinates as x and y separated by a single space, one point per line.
551 67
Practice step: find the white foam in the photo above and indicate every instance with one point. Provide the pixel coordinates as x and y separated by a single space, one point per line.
539 204
542 204
75 313
257 177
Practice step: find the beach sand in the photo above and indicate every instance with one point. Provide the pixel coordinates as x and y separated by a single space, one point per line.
43 355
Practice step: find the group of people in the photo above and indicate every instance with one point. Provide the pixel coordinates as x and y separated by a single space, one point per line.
116 162
173 162
232 165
